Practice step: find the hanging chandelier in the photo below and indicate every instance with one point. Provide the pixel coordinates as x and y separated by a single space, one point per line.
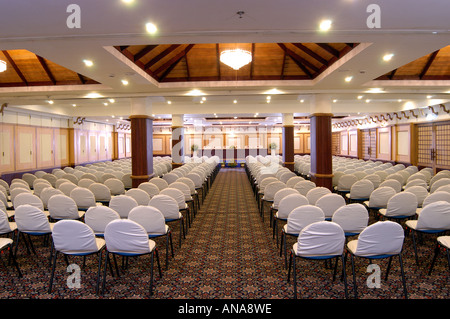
2 66
235 58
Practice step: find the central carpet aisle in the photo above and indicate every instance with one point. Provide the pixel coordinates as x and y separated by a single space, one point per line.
228 252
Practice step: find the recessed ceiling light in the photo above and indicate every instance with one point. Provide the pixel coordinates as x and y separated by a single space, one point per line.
88 62
203 98
360 97
348 78
93 95
169 102
301 101
399 100
194 92
105 104
429 96
334 101
235 101
375 90
127 1
151 28
74 105
235 117
50 102
325 25
367 101
111 100
388 57
124 82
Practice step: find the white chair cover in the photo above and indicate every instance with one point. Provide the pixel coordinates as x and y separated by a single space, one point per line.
420 192
150 218
98 217
170 177
175 194
101 192
320 239
395 184
32 220
271 189
380 238
63 207
279 195
162 184
30 199
436 196
317 192
166 205
83 197
74 236
139 195
183 188
5 225
381 196
361 189
289 203
330 203
352 218
401 204
150 188
294 180
304 187
115 186
345 182
301 217
122 204
67 187
127 236
434 216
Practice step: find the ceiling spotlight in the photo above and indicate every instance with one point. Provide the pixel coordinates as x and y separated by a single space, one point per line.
124 82
50 102
74 105
235 101
388 57
301 101
111 100
334 101
360 97
367 101
325 25
127 1
88 62
151 28
348 78
105 104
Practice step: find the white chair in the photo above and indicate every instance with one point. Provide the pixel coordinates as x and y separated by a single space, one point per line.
298 219
320 240
161 183
345 183
115 186
101 192
86 182
360 191
170 178
438 183
379 198
304 187
279 195
436 196
67 187
432 219
8 228
402 205
127 238
127 181
47 193
353 218
395 184
75 238
329 203
139 195
420 192
29 178
83 197
285 207
16 191
383 239
178 196
269 194
294 180
169 208
98 217
61 206
317 192
150 188
154 223
31 221
122 204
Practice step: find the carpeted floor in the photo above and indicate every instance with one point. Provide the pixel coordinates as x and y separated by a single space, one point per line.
228 252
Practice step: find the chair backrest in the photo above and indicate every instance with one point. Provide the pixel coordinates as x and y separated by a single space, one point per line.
271 189
266 181
329 203
436 196
381 196
29 178
280 194
434 216
150 218
352 218
98 217
115 185
289 203
66 188
83 197
183 188
28 198
89 176
175 194
416 182
321 238
127 181
166 205
361 189
86 182
381 238
294 180
286 176
73 236
126 236
150 188
122 204
317 192
139 195
346 181
170 177
420 192
62 207
161 183
101 192
438 183
304 187
31 219
189 183
395 184
375 179
47 193
302 216
402 204
16 191
5 226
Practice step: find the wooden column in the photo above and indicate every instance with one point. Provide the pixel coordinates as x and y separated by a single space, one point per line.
288 141
321 150
177 140
142 148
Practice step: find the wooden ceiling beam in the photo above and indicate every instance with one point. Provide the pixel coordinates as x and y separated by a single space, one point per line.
169 65
143 52
46 69
311 53
301 62
329 49
428 64
161 56
15 67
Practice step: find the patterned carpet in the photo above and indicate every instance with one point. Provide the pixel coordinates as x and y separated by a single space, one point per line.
228 253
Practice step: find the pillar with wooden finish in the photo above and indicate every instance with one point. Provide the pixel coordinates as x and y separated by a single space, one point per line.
141 141
177 140
288 141
321 142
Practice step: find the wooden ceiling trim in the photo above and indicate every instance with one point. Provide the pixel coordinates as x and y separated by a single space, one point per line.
143 52
429 62
169 65
160 56
311 53
46 69
297 59
15 67
329 49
